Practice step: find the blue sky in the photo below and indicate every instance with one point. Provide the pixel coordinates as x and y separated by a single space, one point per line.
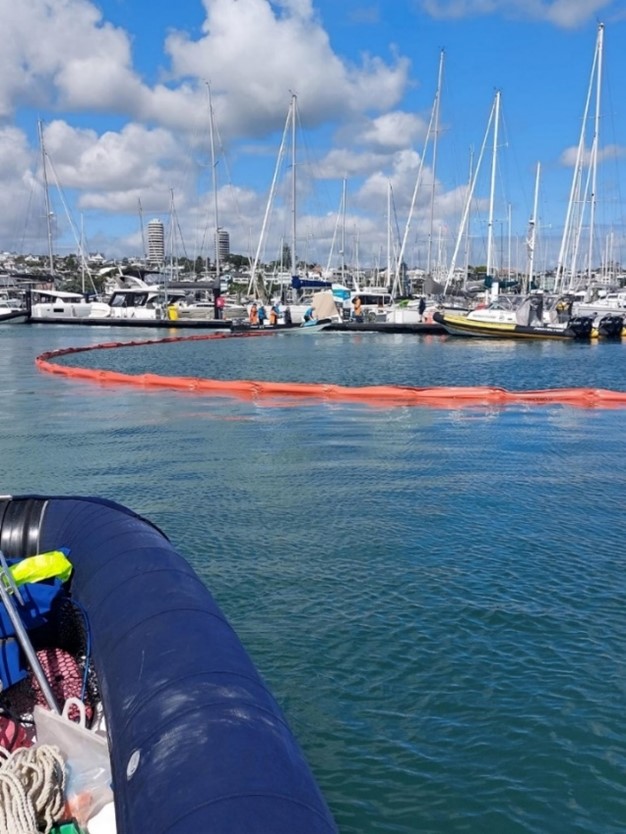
121 89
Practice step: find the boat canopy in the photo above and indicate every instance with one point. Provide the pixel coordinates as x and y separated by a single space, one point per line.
309 283
62 295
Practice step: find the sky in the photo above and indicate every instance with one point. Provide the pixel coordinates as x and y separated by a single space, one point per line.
127 96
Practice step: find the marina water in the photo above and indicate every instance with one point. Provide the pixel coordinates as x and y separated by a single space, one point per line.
436 597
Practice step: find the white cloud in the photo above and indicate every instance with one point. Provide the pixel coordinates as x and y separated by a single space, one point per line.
342 162
564 13
569 155
82 159
254 56
393 131
15 155
61 54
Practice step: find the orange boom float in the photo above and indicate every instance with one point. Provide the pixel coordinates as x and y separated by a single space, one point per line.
291 393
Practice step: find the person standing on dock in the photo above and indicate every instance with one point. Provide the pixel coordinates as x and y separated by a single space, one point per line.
358 309
274 314
254 314
421 307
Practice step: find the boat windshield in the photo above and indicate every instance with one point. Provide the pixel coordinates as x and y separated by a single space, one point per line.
506 302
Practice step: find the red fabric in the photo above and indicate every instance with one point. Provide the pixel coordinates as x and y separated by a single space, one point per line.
12 734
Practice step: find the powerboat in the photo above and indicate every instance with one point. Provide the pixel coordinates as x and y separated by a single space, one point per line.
518 317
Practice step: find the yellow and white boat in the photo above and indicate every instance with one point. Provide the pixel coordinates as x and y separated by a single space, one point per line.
517 317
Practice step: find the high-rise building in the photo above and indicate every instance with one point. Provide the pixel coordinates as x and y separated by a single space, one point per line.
156 242
222 245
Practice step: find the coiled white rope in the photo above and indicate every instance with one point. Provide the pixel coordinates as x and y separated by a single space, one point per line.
32 782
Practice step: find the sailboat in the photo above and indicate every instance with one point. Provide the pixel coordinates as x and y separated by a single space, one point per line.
583 191
608 308
504 316
255 287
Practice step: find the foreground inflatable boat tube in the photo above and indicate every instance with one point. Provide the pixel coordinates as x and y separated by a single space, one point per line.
198 743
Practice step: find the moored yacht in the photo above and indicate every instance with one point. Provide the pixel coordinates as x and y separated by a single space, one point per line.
137 305
57 305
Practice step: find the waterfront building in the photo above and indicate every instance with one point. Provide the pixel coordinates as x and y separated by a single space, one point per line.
222 245
156 242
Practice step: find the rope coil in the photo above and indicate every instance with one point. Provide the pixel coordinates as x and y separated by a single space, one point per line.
32 789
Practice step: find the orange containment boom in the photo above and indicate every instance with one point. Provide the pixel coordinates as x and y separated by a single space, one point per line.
292 393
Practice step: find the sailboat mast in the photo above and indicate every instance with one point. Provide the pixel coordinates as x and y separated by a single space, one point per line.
293 185
468 202
492 191
509 219
214 183
594 150
389 233
143 236
434 182
331 252
343 233
172 238
399 262
46 198
82 251
467 225
253 284
532 232
574 197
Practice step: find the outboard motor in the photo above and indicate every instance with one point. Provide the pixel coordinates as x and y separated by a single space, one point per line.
610 326
581 326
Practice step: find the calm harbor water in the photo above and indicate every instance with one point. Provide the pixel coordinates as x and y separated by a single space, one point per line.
435 597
